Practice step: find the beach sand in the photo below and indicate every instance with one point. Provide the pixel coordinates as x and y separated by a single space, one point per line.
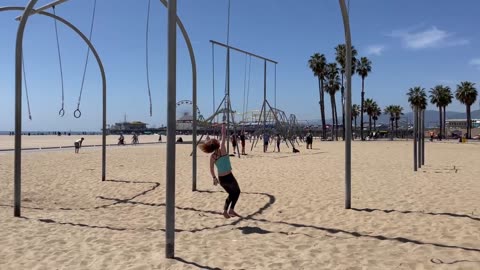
293 208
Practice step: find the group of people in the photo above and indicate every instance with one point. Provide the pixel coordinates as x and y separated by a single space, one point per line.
121 139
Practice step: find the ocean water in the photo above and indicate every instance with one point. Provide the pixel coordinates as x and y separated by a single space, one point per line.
54 132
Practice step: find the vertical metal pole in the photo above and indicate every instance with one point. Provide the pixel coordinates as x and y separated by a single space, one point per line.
275 87
194 131
18 110
415 124
264 95
419 138
347 106
171 130
227 104
423 137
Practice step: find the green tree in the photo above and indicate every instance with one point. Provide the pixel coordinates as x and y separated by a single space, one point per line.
355 114
467 94
332 87
369 108
398 110
317 64
364 67
390 110
435 98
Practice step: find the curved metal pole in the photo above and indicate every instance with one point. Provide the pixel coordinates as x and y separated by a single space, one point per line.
194 98
18 98
348 106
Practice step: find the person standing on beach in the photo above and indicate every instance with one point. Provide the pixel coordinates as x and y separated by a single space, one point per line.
242 141
266 139
221 159
278 140
78 145
234 142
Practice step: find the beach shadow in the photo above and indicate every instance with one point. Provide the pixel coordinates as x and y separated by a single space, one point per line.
438 261
416 212
196 264
360 235
258 230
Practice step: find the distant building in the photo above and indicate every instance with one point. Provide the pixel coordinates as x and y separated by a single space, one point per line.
135 126
185 122
461 123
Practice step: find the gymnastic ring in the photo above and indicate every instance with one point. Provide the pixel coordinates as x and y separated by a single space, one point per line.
77 113
61 112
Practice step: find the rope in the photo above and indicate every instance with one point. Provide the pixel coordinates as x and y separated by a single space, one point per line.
275 87
248 85
213 76
146 57
244 87
86 62
62 110
26 88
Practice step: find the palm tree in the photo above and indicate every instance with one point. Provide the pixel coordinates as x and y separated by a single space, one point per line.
355 113
445 100
377 111
398 114
363 66
417 97
390 110
317 64
369 107
340 55
435 98
333 85
467 94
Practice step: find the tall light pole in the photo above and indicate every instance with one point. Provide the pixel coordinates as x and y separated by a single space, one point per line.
348 105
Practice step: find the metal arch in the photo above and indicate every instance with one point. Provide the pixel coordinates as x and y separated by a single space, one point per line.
348 104
18 94
194 97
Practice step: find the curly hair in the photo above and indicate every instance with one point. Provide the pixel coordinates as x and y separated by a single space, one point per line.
209 146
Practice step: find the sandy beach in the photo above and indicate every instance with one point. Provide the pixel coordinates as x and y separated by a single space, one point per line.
293 208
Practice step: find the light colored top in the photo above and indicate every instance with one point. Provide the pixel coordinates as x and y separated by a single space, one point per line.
223 165
79 141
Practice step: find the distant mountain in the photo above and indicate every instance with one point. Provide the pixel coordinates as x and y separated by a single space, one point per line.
431 118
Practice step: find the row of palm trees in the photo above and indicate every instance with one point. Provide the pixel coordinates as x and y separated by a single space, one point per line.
441 96
331 80
373 111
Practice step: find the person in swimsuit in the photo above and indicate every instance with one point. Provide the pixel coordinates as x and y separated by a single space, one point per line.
221 159
278 141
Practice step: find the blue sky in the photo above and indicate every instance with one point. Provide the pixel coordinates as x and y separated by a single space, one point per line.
410 43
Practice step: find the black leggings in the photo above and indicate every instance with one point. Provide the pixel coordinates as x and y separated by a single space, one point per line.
229 183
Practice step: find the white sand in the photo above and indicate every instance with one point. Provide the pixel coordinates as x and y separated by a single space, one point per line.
293 207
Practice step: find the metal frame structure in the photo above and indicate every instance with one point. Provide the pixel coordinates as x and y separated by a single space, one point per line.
173 21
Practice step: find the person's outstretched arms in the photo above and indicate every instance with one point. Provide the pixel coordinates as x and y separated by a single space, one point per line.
223 149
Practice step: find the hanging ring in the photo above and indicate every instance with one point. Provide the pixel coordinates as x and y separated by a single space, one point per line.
77 113
61 112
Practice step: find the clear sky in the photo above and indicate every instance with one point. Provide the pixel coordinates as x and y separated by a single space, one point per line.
410 43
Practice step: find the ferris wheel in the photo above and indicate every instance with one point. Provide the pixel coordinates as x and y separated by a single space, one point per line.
184 111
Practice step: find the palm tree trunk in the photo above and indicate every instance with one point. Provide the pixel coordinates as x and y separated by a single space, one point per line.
396 127
440 121
332 101
336 118
469 123
343 109
322 108
445 121
391 136
355 123
374 124
369 124
361 109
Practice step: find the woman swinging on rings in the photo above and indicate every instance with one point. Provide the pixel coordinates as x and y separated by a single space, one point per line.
226 179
